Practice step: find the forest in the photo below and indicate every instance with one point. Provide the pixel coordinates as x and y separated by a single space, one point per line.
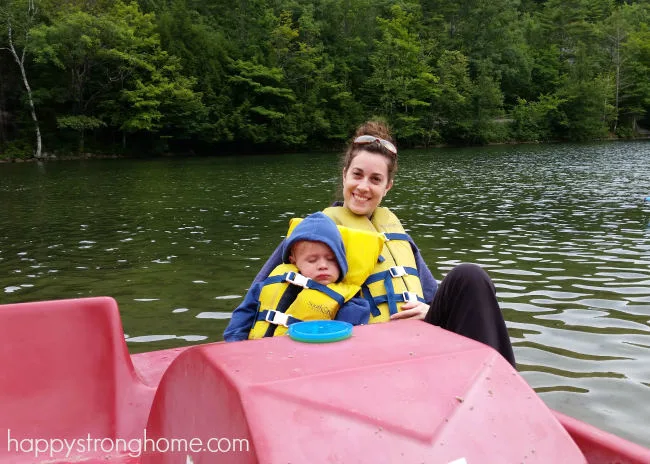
160 77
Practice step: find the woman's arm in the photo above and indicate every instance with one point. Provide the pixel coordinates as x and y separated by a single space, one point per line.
274 260
243 317
356 311
429 283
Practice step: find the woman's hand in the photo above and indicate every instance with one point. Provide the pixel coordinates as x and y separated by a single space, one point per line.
412 310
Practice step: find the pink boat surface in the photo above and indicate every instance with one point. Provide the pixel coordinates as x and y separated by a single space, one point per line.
405 392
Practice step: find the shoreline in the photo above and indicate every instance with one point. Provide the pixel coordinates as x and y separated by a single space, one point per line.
91 156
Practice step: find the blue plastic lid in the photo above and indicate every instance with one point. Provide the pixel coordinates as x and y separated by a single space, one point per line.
320 331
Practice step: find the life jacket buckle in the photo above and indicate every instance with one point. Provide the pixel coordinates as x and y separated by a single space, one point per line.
410 297
397 271
277 318
297 279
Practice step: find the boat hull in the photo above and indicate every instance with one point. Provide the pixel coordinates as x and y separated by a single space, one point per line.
398 392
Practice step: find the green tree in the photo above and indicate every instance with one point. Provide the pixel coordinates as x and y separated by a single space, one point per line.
262 103
402 83
204 53
452 114
631 59
588 108
324 109
468 111
538 120
115 72
490 33
573 66
487 106
300 63
348 31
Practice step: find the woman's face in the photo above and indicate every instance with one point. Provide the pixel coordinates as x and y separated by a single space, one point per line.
365 182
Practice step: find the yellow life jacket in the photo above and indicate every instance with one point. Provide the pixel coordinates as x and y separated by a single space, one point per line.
315 301
395 278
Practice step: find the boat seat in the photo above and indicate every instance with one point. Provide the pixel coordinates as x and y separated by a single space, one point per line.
65 372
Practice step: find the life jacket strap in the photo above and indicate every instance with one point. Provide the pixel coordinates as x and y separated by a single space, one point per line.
390 294
391 298
300 280
305 282
340 299
393 272
399 298
374 309
277 317
275 279
395 236
411 297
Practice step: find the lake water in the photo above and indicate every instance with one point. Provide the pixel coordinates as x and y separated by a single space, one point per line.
563 230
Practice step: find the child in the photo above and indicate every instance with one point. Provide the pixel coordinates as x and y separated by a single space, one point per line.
320 278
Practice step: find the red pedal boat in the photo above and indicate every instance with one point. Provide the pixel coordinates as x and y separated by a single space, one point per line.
400 392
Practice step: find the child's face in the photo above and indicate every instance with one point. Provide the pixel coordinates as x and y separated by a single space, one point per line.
316 261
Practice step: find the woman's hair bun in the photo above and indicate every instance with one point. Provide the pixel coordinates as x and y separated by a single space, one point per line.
374 128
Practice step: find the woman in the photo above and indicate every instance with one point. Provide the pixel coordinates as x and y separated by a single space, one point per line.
402 286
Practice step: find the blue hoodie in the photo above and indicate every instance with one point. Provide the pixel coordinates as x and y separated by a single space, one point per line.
316 227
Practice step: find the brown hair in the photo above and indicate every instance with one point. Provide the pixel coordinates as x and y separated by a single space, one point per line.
376 129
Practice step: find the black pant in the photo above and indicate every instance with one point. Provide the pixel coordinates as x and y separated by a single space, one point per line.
466 304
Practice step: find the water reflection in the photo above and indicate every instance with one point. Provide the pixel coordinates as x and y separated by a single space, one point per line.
565 238
563 230
214 315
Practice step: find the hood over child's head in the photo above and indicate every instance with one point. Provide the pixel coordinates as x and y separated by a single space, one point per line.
318 227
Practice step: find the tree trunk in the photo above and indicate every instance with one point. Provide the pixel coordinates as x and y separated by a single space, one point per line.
32 109
20 60
3 120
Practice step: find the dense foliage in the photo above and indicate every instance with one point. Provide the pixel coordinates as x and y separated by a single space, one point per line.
159 76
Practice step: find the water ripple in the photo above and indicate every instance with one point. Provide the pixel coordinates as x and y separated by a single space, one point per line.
563 230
